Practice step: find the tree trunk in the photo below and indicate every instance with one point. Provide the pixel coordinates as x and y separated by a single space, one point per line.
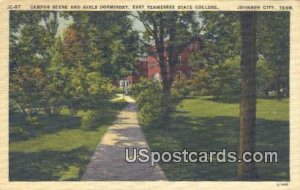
172 49
171 62
167 67
72 109
159 33
247 171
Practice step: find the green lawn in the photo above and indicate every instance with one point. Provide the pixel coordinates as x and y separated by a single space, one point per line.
53 148
205 124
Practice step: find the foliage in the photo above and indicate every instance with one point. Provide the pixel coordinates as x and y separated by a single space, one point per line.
143 84
182 86
200 81
25 87
53 98
89 120
74 68
110 41
170 32
223 80
148 96
30 55
221 38
222 42
150 112
152 105
264 77
273 45
216 72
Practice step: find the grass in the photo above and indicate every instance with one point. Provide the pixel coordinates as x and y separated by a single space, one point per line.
205 124
53 148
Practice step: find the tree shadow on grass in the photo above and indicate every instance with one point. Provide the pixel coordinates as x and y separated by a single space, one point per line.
22 130
42 124
231 100
235 100
191 97
51 165
48 165
214 134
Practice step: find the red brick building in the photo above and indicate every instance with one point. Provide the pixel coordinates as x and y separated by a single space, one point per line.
148 66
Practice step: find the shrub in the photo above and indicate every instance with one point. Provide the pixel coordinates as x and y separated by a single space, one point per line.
151 103
149 94
31 120
148 97
182 85
144 84
200 82
89 120
150 114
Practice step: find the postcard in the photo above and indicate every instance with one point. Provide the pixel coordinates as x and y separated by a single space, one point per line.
149 94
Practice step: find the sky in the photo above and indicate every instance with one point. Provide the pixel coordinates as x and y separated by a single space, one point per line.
63 24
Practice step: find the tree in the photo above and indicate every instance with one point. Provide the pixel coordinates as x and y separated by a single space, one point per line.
247 171
100 47
201 81
26 83
221 38
219 49
170 32
110 41
76 70
225 79
273 45
31 40
53 96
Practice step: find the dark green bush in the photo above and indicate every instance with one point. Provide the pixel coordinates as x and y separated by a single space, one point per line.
89 119
152 105
151 114
31 120
182 86
144 84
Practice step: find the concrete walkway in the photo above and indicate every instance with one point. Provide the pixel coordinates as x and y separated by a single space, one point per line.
108 161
